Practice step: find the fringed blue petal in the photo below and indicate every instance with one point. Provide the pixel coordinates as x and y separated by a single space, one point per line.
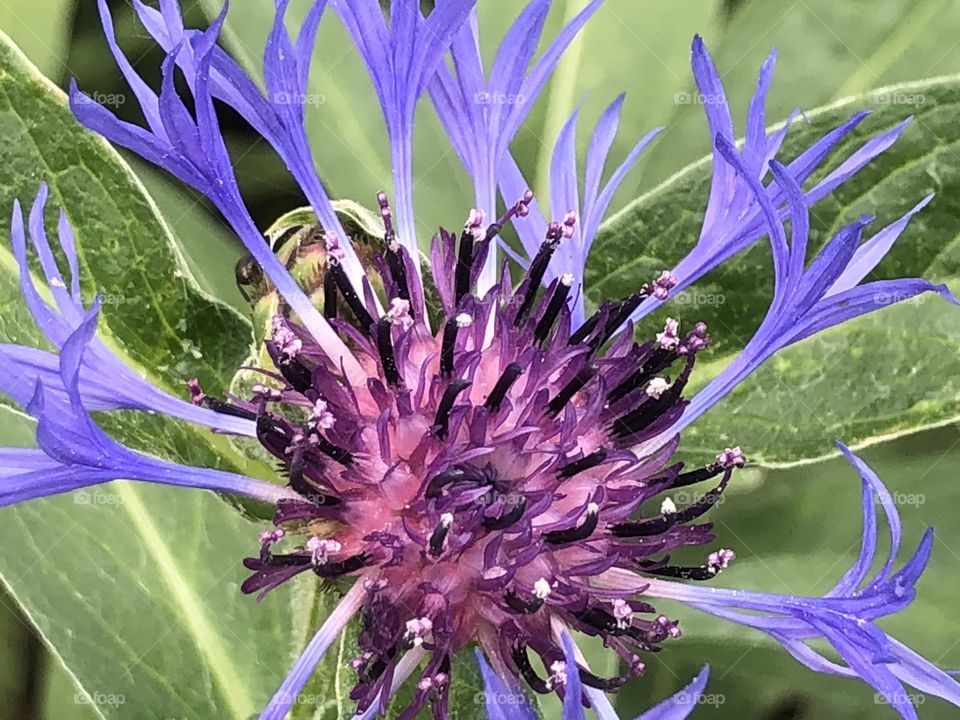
482 116
676 707
106 383
79 454
191 146
306 664
870 253
571 256
740 205
401 60
807 301
573 688
846 616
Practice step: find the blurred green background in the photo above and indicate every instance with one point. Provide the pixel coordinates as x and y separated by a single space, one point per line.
794 530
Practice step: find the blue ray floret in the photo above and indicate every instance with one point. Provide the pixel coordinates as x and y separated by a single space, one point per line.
565 193
75 453
497 481
812 297
191 147
482 112
105 383
845 616
734 219
402 54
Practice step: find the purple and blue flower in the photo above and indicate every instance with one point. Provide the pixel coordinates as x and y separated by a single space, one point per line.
497 472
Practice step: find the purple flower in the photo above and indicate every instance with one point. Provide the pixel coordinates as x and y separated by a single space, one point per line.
503 480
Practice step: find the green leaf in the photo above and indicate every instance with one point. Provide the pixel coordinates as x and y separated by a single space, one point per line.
892 368
135 589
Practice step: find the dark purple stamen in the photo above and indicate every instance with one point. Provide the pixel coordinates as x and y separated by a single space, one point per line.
576 533
510 375
464 265
641 376
399 274
695 476
585 375
638 420
291 560
343 567
598 619
297 374
619 314
439 535
538 268
585 463
394 254
557 302
364 319
699 573
522 607
710 498
446 405
228 409
644 528
301 486
334 452
329 296
518 209
605 684
448 347
509 518
273 435
387 358
441 480
522 661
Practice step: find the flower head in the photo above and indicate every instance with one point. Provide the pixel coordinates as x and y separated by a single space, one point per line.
479 487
